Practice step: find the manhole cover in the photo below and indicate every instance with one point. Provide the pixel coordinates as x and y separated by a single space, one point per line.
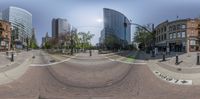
52 61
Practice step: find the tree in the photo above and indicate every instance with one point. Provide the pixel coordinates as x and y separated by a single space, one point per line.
33 42
85 39
143 37
112 42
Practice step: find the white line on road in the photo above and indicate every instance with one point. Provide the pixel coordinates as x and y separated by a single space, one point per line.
50 63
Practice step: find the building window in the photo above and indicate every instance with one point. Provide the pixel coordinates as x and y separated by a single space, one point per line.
170 28
183 26
170 36
192 42
178 26
174 35
179 34
165 36
192 33
161 30
165 29
183 34
174 27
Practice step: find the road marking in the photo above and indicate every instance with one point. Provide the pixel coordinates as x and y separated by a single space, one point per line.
50 63
172 80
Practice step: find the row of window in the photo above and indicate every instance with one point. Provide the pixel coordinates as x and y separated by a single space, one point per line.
171 36
161 38
177 35
171 28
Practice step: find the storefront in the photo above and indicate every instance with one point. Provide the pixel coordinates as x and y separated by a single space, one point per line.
194 45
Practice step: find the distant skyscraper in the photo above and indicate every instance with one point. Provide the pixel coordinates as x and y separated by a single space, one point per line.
21 21
115 23
60 26
0 15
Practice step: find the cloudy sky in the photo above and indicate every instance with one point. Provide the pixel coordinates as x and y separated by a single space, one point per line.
84 14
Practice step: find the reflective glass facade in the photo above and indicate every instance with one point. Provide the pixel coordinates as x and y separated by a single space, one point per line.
21 21
116 23
60 26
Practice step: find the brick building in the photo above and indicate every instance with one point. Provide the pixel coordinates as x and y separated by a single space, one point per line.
5 35
179 35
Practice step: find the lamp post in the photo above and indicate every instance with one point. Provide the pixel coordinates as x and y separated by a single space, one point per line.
27 43
72 44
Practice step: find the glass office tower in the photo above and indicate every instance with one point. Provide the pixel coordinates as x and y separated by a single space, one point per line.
21 21
115 23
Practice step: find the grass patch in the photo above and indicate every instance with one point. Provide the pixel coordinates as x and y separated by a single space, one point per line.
130 59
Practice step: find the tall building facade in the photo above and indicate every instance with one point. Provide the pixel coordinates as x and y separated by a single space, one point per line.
60 26
0 15
180 35
21 21
45 39
117 24
5 35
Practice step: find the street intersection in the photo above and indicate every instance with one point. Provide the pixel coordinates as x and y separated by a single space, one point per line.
95 77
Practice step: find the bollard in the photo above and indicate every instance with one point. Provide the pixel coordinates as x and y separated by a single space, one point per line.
163 57
90 53
198 62
12 57
176 60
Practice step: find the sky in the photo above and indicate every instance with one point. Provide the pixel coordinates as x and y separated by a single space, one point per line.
84 14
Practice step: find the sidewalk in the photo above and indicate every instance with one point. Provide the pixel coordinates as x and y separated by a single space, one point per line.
19 58
167 72
16 69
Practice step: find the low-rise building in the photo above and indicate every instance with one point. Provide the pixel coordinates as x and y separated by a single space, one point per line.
180 35
5 35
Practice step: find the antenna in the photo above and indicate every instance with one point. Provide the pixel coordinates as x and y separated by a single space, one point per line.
177 17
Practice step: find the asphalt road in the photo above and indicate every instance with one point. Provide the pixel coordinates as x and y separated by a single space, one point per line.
139 83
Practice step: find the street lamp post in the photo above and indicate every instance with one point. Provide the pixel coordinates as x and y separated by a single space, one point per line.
27 43
72 45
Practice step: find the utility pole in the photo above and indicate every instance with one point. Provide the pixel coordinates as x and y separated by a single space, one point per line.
72 44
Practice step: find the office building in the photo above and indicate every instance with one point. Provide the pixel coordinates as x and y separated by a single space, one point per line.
21 22
116 24
60 26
